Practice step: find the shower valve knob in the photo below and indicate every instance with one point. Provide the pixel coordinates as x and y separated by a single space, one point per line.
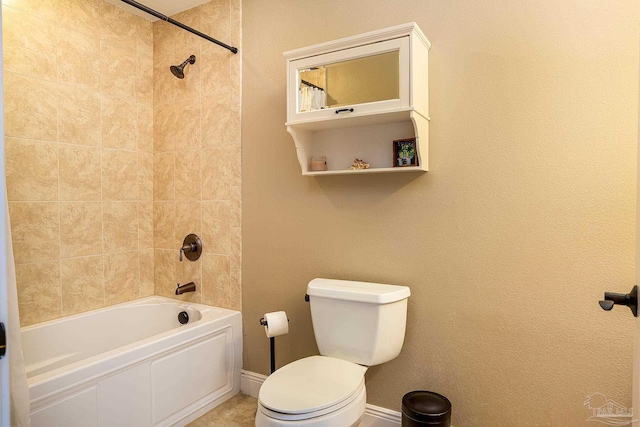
191 247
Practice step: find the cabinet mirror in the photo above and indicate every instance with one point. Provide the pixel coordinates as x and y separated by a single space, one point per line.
354 81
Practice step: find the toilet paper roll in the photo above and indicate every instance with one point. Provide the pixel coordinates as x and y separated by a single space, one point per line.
277 324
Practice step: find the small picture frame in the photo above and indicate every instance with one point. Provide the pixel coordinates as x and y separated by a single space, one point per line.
405 153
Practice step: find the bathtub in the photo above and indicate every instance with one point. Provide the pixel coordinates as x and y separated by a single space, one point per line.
132 365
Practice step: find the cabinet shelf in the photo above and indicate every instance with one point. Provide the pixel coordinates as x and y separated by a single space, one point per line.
365 171
364 130
369 140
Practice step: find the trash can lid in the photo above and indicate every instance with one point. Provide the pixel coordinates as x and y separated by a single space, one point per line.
422 405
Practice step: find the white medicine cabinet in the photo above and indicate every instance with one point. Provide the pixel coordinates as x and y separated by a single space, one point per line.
352 98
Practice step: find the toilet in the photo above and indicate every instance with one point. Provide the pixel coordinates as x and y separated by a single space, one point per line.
356 325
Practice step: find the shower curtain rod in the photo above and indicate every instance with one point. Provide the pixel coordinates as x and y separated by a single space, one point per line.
178 24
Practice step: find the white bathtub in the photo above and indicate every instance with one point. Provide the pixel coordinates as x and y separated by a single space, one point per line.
132 365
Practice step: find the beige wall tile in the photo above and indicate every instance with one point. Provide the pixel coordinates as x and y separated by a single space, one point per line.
236 241
216 227
216 19
236 22
26 31
119 175
80 173
144 38
30 63
188 176
39 293
146 273
120 226
145 225
165 272
145 176
164 176
235 82
188 217
164 233
78 59
216 285
144 80
216 70
28 44
41 8
32 106
162 121
53 71
222 117
82 284
235 297
118 26
185 39
79 116
121 277
145 128
217 170
80 229
164 83
119 124
236 166
79 15
163 36
178 105
35 231
236 206
118 70
31 170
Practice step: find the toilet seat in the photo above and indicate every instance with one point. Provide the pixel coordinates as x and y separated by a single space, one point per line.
311 387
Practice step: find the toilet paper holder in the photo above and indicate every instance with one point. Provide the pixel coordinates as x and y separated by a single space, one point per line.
272 345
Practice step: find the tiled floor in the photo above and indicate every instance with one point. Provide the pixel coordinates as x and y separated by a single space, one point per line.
239 411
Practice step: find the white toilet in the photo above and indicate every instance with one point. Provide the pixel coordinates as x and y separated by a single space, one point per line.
356 325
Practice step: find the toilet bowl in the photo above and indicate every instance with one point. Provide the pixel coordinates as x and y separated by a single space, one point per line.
356 325
334 394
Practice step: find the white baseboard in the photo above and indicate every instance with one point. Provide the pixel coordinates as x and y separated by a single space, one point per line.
374 416
250 383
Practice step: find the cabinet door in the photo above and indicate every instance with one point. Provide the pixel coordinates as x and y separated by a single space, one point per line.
358 81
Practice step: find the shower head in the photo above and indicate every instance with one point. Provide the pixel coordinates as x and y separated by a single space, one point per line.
178 70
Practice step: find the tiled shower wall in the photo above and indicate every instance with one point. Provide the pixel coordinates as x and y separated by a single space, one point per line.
197 154
79 106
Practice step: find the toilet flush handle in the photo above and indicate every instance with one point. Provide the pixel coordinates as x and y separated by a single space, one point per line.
306 297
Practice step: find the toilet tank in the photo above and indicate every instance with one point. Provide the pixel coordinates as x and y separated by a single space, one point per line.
360 322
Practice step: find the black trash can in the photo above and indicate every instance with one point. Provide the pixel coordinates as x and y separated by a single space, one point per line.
425 408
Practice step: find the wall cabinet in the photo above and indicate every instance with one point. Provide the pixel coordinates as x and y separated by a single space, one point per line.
351 98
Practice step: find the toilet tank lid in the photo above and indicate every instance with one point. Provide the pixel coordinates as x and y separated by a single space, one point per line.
373 293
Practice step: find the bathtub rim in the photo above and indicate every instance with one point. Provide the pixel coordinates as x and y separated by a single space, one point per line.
138 301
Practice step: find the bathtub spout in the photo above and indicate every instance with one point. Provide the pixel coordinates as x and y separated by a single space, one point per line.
187 287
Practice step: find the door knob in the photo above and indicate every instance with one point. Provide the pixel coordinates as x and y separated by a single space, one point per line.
630 300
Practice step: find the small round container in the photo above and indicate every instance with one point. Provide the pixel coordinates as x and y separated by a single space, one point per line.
318 163
425 408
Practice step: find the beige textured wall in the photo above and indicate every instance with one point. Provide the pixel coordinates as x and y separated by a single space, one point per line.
197 154
525 218
79 142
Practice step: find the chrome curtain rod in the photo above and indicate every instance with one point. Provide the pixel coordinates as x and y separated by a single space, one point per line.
178 24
